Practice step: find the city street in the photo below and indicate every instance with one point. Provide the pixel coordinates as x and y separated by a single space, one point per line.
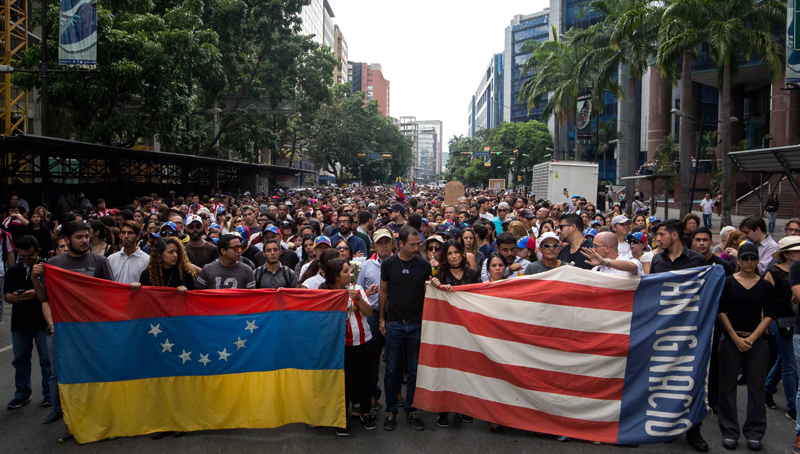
22 431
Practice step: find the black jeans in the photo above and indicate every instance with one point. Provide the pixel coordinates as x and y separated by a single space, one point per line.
356 375
753 363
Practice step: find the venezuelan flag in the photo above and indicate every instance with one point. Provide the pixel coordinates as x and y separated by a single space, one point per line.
153 360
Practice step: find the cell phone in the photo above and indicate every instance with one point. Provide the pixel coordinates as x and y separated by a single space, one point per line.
20 292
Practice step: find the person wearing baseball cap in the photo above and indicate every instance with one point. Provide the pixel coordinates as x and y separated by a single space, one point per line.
526 248
746 310
590 233
249 252
397 216
203 251
288 256
527 218
621 226
503 210
550 247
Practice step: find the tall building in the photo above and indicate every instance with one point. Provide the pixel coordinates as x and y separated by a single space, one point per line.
340 50
313 20
486 108
328 29
426 137
522 28
369 79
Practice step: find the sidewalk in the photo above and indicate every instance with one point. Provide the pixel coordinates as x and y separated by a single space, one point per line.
736 219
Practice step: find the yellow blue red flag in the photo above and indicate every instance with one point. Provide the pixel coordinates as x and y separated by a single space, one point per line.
154 360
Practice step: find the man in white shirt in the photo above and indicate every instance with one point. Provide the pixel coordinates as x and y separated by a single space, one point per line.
707 205
128 264
621 226
605 258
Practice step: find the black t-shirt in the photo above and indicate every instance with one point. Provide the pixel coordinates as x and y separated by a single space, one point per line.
726 265
744 307
44 237
25 315
406 287
576 259
170 278
469 277
288 258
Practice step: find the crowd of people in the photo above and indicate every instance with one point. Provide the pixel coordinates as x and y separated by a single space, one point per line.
383 247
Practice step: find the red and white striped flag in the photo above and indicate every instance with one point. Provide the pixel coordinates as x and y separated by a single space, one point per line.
9 221
573 352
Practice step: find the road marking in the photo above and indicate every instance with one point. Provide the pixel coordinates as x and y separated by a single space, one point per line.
8 347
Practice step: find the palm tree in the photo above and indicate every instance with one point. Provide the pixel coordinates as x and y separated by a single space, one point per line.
628 36
679 37
561 69
735 28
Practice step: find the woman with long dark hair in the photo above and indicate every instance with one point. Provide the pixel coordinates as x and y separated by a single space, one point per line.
357 338
313 276
307 250
36 228
101 239
453 271
169 266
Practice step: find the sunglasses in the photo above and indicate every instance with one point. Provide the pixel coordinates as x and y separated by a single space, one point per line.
168 233
434 248
551 246
236 248
749 258
342 248
561 226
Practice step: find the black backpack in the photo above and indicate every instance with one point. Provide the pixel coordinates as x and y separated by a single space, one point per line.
260 274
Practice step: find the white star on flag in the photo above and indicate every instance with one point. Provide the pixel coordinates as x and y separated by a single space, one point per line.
185 356
167 346
251 326
223 355
154 330
240 343
204 359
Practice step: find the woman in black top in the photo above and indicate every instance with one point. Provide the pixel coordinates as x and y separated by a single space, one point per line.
745 311
169 266
782 327
453 271
772 211
43 235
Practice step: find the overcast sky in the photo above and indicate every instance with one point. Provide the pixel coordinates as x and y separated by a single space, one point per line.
433 52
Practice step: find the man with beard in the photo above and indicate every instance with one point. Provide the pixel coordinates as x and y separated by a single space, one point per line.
78 259
204 252
273 274
345 233
507 247
130 261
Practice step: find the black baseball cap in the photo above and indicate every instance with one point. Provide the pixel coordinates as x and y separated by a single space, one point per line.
397 206
748 249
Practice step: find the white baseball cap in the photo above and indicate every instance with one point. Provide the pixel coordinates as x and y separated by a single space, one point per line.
621 219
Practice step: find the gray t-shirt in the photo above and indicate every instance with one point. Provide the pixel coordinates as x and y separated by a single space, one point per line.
215 275
90 264
283 278
539 267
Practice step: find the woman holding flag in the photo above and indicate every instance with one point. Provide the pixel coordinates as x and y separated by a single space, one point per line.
357 338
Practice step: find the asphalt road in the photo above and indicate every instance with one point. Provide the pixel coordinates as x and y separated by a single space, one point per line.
21 431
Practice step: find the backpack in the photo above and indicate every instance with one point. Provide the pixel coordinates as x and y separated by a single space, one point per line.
260 274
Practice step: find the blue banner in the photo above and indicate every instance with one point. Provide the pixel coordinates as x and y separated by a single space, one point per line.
77 44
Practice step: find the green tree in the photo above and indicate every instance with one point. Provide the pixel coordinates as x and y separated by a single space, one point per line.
735 28
628 34
679 37
523 145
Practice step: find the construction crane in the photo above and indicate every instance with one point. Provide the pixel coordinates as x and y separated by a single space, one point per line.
14 108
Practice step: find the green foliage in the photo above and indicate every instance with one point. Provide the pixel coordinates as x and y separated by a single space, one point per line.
666 155
346 128
530 138
161 64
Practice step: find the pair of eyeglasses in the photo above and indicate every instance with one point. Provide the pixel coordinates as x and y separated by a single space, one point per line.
551 246
342 248
561 226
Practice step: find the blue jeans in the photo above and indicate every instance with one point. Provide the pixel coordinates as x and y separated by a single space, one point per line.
773 215
707 220
51 353
22 342
785 367
402 339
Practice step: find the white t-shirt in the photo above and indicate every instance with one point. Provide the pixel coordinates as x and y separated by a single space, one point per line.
624 251
314 282
647 257
707 206
605 269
